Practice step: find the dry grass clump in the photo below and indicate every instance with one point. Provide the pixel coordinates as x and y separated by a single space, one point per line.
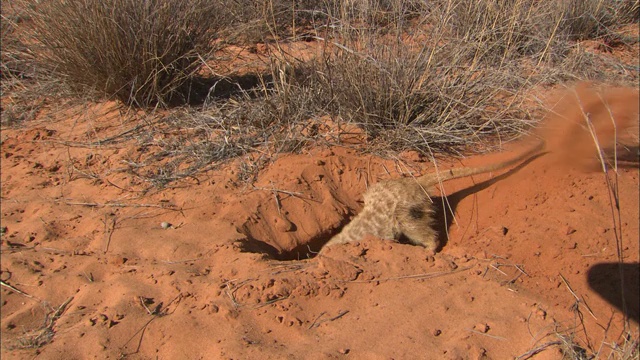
448 73
569 346
142 53
26 87
409 97
626 11
17 60
269 20
393 69
261 21
17 68
503 29
588 19
182 143
498 30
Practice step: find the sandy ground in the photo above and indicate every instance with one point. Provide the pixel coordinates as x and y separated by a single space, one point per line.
530 260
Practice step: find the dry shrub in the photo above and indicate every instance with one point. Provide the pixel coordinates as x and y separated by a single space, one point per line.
587 19
269 20
502 29
441 74
412 98
374 13
627 11
16 59
259 21
25 87
142 53
392 69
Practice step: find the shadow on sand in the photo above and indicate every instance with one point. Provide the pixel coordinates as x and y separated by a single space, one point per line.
618 284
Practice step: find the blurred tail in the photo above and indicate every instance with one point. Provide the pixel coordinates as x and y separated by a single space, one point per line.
433 178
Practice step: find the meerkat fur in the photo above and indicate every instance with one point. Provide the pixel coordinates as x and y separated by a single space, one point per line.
397 207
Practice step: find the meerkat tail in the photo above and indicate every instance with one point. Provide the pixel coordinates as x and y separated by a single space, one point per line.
434 178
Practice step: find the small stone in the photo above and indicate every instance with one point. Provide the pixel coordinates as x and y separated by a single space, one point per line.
118 260
436 332
320 162
483 328
569 230
344 351
478 353
165 225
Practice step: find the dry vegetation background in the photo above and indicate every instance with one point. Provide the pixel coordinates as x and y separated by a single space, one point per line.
437 76
201 83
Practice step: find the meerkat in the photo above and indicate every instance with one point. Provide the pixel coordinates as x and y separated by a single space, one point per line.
397 207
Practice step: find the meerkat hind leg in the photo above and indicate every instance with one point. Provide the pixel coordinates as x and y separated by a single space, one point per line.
416 225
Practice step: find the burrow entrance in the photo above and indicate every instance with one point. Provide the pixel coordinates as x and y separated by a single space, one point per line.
306 250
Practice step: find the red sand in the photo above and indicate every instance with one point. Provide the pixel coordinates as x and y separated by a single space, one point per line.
224 281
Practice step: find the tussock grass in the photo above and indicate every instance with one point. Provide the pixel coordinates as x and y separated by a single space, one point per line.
143 53
594 18
19 70
261 21
185 142
394 69
500 30
17 59
182 143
